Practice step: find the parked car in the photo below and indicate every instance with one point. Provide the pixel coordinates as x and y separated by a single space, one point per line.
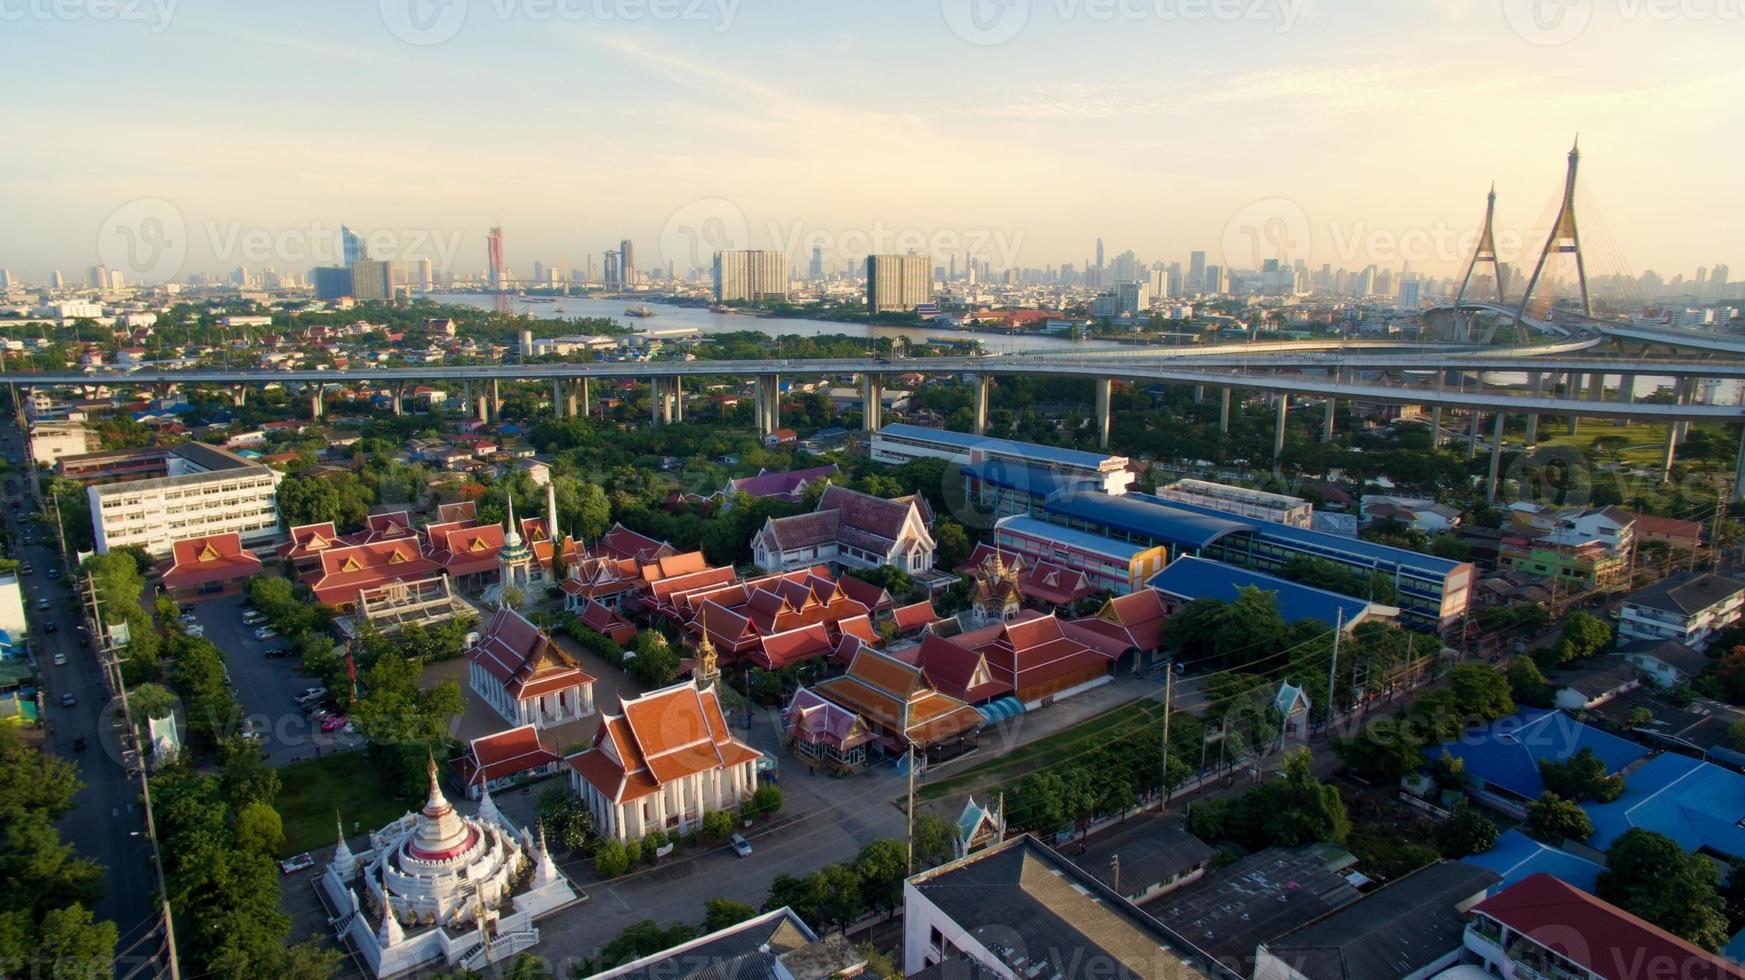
60 660
292 865
266 633
195 630
333 723
311 694
741 846
49 626
79 744
273 653
67 700
252 617
43 603
25 569
188 618
186 609
54 573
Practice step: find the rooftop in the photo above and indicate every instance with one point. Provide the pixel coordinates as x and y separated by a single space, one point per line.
1379 553
1256 900
1145 516
1507 753
1083 540
967 442
1688 594
1198 578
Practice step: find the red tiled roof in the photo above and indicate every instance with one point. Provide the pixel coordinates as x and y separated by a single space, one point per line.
621 542
660 737
1595 934
504 755
911 618
779 650
347 570
308 540
523 659
202 561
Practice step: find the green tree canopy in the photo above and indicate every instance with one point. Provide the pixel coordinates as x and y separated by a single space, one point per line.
1650 875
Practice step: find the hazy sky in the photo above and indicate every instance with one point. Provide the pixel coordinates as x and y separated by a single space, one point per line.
1342 131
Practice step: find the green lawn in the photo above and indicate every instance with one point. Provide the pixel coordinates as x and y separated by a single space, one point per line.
1049 750
1644 442
346 783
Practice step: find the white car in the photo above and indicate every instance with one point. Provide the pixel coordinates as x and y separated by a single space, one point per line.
60 660
741 846
266 633
292 865
195 631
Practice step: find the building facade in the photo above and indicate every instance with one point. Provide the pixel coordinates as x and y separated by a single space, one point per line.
1117 567
208 491
1275 507
525 677
1688 608
898 283
751 276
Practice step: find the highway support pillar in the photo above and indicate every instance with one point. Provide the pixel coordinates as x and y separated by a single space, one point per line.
1435 426
1224 410
1538 382
587 403
315 406
654 406
773 401
1199 394
1472 436
557 397
872 400
483 404
496 400
1103 386
571 402
1671 452
677 413
466 397
1574 395
1278 427
1490 486
239 396
399 401
1687 396
982 383
1327 420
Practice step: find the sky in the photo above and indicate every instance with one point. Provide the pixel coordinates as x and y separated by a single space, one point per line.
169 137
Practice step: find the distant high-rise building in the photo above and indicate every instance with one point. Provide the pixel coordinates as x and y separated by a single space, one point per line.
332 282
372 280
426 275
1125 267
898 283
1100 265
116 279
817 270
1410 294
351 246
56 280
1718 279
753 276
1132 298
1197 272
6 279
99 277
494 256
627 263
539 272
1212 279
609 260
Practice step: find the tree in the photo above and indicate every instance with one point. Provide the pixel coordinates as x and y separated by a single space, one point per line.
1553 819
765 800
935 841
1582 777
836 889
567 821
1468 831
882 865
258 827
1585 633
310 960
1527 683
656 664
1650 875
69 946
1480 691
717 825
593 512
721 912
953 544
610 859
527 966
1384 750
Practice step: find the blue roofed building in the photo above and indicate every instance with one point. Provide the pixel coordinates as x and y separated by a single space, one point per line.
1502 759
1516 856
1432 592
899 443
1187 579
1005 488
1696 803
1117 567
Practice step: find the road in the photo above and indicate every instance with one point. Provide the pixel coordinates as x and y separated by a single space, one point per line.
107 823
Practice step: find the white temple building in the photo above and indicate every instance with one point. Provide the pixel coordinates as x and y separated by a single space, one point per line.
525 677
437 889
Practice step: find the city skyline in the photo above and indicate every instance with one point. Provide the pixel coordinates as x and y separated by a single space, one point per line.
786 128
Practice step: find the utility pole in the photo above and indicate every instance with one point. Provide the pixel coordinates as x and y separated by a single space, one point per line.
1115 867
1333 671
151 830
911 833
1168 709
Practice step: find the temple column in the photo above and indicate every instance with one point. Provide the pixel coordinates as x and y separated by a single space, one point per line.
1224 410
1104 387
1490 487
1278 427
982 383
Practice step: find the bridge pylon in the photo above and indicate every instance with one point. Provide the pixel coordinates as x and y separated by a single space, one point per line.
1485 251
1565 239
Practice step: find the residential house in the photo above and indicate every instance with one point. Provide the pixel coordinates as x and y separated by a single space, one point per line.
1690 608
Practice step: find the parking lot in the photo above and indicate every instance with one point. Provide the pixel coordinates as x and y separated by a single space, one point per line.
267 687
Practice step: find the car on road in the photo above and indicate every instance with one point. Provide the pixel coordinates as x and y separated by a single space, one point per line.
43 603
741 846
67 700
311 694
49 626
54 573
25 569
187 619
252 617
79 744
266 633
333 723
292 865
272 653
60 660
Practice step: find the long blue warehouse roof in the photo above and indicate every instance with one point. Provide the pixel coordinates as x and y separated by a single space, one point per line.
1507 753
967 441
1083 540
1198 578
1381 553
1037 481
1128 513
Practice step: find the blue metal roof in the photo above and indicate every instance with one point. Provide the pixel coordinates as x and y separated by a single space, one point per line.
1369 550
1037 481
1168 524
1516 856
1508 752
1693 802
1198 578
967 441
1083 540
1000 709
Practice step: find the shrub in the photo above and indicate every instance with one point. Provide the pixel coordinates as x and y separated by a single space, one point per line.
717 824
611 859
766 800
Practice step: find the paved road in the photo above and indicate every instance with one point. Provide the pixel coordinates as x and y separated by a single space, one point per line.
107 823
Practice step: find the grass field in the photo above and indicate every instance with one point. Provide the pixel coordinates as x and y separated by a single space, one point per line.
1052 749
1644 442
313 791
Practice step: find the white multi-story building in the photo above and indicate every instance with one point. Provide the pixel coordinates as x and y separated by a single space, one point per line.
751 275
1275 507
1689 609
49 441
208 491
